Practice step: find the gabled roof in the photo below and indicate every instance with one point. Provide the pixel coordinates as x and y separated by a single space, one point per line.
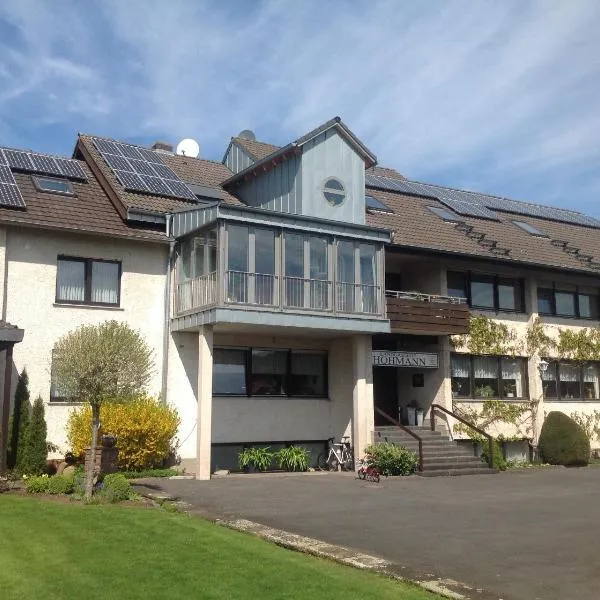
255 149
281 153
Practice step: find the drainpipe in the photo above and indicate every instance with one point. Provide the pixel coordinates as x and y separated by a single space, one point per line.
167 316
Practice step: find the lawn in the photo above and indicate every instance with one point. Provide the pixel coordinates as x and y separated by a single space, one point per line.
66 551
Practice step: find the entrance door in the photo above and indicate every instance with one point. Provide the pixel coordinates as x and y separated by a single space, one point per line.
385 393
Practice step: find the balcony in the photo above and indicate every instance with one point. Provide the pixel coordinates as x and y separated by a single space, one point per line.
413 312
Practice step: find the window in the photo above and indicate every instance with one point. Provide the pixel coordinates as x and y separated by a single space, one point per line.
368 277
571 381
568 301
529 228
372 203
319 272
237 263
487 292
264 266
269 372
294 269
88 281
56 394
54 186
445 214
488 376
334 192
345 276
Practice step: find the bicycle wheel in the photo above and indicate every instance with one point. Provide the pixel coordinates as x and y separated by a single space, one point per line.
348 464
322 463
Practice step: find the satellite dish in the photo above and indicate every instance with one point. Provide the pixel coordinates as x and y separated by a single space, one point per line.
188 147
247 134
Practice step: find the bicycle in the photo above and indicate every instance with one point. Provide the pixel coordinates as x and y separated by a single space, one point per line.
367 471
337 456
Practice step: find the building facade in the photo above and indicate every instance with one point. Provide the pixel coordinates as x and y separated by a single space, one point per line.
293 294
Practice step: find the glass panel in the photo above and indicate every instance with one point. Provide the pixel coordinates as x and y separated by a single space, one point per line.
368 277
319 273
345 276
237 263
211 242
544 296
509 294
198 251
264 265
565 303
513 377
485 377
460 371
294 269
457 284
308 374
269 368
71 280
588 306
570 385
482 291
549 381
590 382
229 372
185 260
105 282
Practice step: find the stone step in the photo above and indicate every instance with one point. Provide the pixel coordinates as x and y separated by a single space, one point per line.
426 445
429 459
449 463
423 433
453 472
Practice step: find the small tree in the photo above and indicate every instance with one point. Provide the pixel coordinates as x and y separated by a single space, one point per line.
33 460
17 423
98 363
24 417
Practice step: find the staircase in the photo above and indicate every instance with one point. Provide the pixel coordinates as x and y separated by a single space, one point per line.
441 456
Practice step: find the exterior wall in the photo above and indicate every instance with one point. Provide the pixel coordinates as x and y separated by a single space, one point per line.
30 304
279 189
237 159
328 155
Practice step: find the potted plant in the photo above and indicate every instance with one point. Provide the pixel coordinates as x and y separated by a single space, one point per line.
411 410
293 458
484 391
255 459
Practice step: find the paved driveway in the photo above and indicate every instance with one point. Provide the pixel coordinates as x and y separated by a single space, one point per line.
522 535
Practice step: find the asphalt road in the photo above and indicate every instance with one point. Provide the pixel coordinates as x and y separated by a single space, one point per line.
524 535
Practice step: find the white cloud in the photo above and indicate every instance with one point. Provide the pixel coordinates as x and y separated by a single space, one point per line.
498 95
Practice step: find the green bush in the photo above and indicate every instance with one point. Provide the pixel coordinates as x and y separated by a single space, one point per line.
293 458
150 473
563 441
259 458
37 485
115 488
390 459
33 457
60 484
499 462
19 419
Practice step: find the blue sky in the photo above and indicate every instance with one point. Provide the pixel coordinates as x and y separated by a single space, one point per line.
502 97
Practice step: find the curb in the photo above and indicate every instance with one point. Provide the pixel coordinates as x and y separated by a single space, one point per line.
448 588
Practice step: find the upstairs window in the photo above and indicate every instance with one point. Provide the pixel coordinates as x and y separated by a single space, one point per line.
573 302
88 281
333 191
445 214
53 185
487 292
529 228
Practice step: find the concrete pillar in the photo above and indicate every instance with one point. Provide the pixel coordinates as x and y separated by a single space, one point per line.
363 425
205 373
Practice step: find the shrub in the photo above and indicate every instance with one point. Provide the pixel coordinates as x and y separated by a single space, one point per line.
144 428
37 484
293 458
259 458
60 484
19 419
499 462
563 441
390 459
33 458
150 473
115 488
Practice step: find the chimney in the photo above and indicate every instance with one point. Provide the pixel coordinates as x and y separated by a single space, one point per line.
163 147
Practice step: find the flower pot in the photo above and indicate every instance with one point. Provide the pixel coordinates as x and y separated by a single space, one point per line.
420 417
412 415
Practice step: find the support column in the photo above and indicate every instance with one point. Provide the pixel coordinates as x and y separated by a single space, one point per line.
204 427
362 396
6 402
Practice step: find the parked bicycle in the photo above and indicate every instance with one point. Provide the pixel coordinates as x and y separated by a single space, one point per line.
338 456
367 471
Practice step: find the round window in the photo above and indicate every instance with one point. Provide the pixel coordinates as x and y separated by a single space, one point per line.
334 192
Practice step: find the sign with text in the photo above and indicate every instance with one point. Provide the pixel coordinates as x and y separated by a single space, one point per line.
415 360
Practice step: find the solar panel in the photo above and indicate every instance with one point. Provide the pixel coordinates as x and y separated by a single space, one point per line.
6 175
3 160
468 209
10 195
19 160
44 164
70 168
141 170
34 162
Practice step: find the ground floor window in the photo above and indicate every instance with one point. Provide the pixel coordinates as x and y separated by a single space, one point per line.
569 381
269 372
488 376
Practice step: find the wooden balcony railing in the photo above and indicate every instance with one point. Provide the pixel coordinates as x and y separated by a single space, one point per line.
413 312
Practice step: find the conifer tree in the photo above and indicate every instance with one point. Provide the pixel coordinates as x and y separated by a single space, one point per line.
17 423
35 448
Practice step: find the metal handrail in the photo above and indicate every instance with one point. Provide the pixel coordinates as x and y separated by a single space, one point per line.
432 298
406 430
489 438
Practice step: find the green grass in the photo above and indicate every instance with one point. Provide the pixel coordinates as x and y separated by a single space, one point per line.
68 551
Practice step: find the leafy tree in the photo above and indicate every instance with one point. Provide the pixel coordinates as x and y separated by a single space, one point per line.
33 458
19 418
99 363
